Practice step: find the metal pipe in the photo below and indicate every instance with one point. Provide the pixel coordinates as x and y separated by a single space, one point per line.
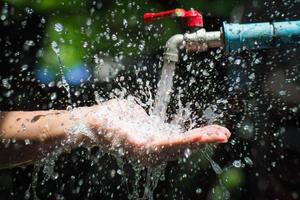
214 39
254 36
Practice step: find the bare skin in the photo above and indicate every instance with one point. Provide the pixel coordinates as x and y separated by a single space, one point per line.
115 126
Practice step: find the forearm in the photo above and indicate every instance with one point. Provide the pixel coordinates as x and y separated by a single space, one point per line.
24 136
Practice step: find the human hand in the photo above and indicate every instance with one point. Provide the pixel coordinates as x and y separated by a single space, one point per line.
123 126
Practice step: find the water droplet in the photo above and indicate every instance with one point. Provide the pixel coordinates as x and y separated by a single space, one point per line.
8 93
273 164
3 17
53 96
216 167
112 173
226 194
77 93
294 109
27 141
248 160
51 84
257 61
58 27
114 37
30 43
237 61
54 47
187 153
121 152
24 67
80 182
85 44
23 126
125 23
69 108
43 21
55 176
120 172
89 22
232 142
27 193
205 73
185 57
282 93
5 83
141 47
198 190
251 76
28 10
59 84
237 163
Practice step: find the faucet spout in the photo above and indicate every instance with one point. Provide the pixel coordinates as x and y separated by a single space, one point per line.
172 48
198 41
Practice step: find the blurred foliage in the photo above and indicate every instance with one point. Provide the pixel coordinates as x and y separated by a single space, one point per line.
232 178
219 193
217 7
105 27
48 5
90 28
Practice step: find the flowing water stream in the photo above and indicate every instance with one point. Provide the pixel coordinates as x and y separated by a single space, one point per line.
159 109
164 90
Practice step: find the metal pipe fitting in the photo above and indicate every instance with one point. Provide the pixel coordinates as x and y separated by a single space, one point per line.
172 48
202 41
198 41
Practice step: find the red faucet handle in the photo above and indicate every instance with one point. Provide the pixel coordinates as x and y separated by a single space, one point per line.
192 18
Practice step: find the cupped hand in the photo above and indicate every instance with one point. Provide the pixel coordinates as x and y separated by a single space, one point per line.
123 126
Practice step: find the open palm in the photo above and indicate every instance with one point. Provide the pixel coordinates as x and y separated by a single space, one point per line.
125 127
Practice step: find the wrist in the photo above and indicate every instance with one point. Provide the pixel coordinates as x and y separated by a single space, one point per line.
79 132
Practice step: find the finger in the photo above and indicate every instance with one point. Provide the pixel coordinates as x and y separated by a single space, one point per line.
172 148
209 134
204 135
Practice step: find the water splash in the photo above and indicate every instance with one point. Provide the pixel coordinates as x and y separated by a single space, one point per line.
153 176
154 124
65 84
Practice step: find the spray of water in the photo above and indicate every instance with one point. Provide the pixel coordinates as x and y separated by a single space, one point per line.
154 124
65 84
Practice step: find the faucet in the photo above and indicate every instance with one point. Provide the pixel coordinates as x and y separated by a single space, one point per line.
198 41
232 37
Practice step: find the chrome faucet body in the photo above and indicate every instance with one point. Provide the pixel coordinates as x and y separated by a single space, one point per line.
198 41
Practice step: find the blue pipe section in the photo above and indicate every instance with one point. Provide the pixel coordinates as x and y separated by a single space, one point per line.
254 36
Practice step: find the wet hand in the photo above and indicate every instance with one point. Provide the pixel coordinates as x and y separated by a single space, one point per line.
124 127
